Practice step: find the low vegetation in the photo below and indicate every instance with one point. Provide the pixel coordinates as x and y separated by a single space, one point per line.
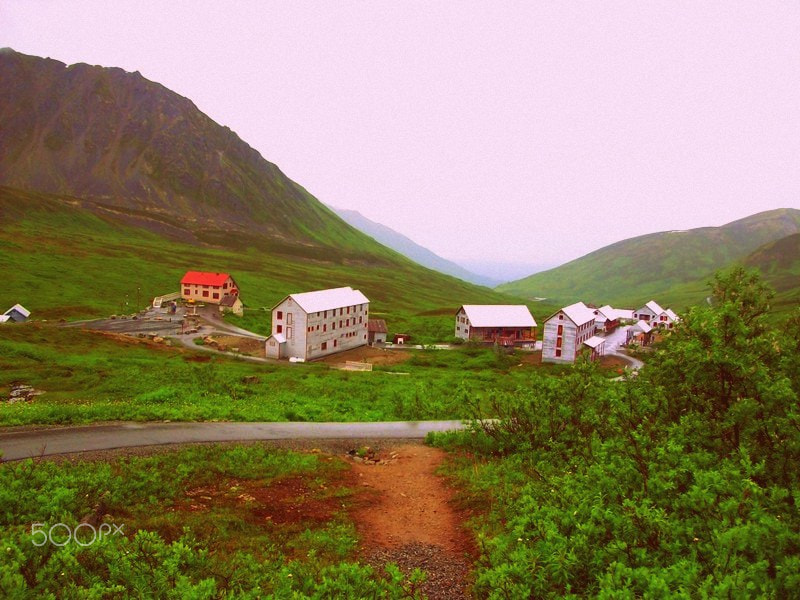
205 522
681 482
89 376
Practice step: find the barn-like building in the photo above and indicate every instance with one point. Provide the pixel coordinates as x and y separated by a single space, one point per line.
502 324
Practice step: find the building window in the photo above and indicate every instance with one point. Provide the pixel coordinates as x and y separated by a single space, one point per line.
288 333
216 295
280 315
340 324
288 318
558 342
334 343
205 293
560 317
324 345
333 326
560 330
324 327
186 291
558 353
278 328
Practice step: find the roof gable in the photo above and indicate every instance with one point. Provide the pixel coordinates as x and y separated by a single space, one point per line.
654 307
376 326
499 315
204 278
595 341
19 309
578 313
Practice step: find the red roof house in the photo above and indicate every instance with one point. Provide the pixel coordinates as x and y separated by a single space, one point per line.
207 287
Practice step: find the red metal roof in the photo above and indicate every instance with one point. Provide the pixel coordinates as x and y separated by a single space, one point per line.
203 278
376 326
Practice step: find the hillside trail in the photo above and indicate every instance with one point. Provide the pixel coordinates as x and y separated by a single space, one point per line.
409 518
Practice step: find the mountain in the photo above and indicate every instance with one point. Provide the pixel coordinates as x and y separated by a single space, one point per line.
779 263
407 247
658 264
130 145
113 186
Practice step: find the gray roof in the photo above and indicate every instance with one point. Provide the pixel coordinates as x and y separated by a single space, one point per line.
499 315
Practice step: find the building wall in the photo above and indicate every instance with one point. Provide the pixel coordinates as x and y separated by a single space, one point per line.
463 325
322 333
644 314
572 337
377 337
206 293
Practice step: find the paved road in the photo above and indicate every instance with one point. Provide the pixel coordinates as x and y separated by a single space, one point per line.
19 444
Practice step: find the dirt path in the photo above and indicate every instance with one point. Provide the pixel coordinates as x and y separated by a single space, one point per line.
409 519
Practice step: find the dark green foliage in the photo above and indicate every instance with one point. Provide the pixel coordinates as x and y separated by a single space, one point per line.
681 482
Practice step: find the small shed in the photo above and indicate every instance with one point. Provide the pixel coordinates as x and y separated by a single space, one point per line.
376 330
597 346
231 303
275 346
401 338
640 334
17 314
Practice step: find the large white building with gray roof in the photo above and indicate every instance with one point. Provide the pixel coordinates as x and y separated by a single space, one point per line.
502 324
315 324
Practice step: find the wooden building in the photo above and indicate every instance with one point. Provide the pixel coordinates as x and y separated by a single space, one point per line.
15 314
231 303
566 331
207 287
640 334
376 331
315 324
503 324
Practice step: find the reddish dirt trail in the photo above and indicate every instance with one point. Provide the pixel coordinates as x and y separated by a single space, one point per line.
409 518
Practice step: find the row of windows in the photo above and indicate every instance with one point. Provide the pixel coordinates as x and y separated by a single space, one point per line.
215 295
347 323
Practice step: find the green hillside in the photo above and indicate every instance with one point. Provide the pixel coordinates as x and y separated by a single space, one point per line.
671 266
63 261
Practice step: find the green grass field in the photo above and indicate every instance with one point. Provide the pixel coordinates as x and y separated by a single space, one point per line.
90 377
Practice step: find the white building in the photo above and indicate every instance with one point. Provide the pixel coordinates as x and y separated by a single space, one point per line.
656 316
566 331
315 324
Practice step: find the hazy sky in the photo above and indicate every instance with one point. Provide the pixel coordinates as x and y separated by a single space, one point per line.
529 132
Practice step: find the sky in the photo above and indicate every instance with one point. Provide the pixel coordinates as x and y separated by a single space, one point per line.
493 133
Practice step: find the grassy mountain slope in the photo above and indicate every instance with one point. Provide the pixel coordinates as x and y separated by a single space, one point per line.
63 261
657 265
407 247
122 141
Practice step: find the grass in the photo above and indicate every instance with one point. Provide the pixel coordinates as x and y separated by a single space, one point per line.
197 522
92 377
